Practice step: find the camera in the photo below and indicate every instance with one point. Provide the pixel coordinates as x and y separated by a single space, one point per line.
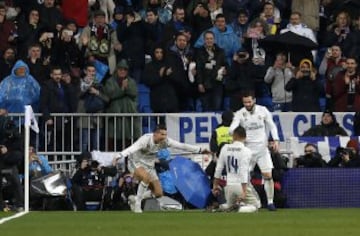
306 72
242 55
344 151
94 164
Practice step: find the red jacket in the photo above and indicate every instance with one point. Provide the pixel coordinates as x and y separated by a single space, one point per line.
77 10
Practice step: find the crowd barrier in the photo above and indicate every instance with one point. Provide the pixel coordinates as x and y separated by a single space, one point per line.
322 187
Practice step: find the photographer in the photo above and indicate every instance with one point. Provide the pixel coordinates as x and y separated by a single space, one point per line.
11 161
306 89
346 157
311 159
88 181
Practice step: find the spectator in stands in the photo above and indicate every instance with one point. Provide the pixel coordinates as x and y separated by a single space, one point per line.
19 89
153 31
346 88
311 159
328 127
232 8
296 26
88 181
131 35
121 93
100 41
278 76
29 32
346 157
354 38
240 24
239 79
270 17
156 6
211 68
174 26
215 8
118 17
57 96
90 92
67 54
163 97
39 66
177 60
225 38
8 32
332 63
200 19
339 31
305 87
51 16
7 61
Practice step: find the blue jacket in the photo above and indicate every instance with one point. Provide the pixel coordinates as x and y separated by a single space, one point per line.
18 91
44 168
226 40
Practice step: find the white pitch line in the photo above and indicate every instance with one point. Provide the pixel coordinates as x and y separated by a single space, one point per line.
17 215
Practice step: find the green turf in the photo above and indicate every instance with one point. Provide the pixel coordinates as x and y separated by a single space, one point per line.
289 222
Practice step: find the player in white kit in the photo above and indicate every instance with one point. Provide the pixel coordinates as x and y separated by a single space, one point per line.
142 158
236 158
258 122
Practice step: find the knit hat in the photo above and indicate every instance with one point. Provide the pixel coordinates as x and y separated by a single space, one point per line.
353 144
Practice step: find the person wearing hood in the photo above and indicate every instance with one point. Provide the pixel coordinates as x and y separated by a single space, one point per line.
328 127
306 88
19 89
163 97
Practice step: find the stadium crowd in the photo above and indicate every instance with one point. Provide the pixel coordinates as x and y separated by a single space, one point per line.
93 56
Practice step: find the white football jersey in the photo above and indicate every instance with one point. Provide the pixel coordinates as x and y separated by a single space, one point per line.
257 123
235 157
144 150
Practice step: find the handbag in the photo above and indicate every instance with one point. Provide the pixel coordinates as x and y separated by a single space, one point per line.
93 103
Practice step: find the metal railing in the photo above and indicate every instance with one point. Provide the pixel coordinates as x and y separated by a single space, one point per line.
73 133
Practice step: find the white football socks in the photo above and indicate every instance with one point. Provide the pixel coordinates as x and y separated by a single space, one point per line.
141 190
269 190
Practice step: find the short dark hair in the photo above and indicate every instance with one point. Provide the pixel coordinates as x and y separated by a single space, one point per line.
248 93
153 10
220 15
159 127
240 132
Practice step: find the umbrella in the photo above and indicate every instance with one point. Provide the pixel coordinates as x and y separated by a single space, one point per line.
297 46
191 181
288 41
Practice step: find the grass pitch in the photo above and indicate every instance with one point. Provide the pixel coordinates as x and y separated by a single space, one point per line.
289 222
